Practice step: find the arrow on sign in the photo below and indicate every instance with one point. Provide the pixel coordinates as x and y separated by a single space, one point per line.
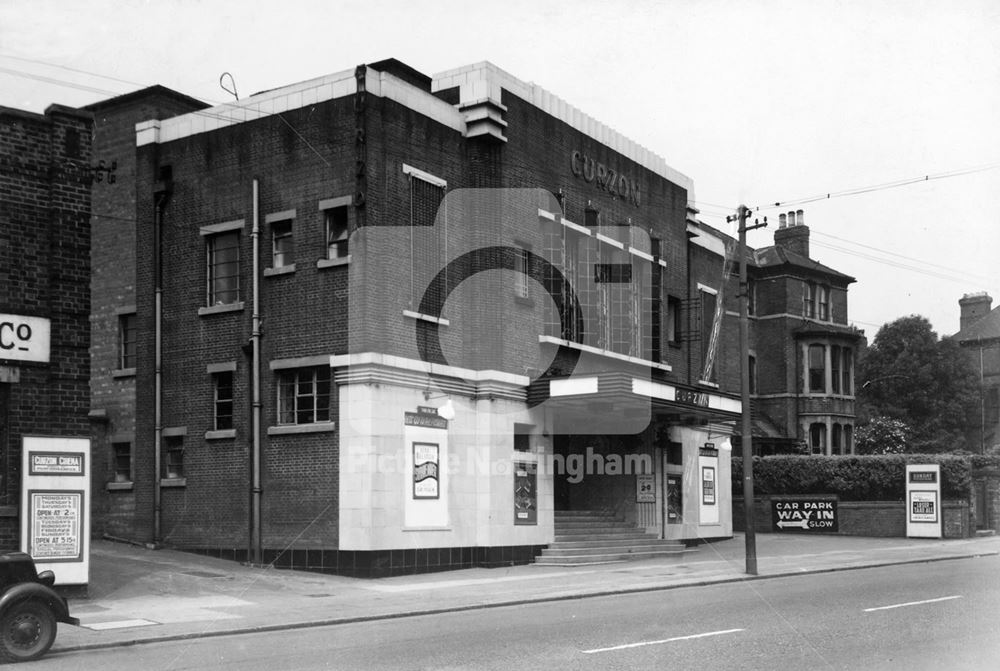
801 524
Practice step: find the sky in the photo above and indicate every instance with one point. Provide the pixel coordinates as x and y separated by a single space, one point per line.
759 102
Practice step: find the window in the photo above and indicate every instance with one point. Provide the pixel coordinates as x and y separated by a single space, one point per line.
823 302
709 340
817 369
426 194
835 439
817 438
304 395
522 437
283 244
223 400
427 247
751 297
848 438
173 457
335 227
673 320
122 461
126 340
521 273
815 301
223 268
847 370
752 370
835 368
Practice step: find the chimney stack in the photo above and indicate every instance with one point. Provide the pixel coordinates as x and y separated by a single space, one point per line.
974 307
793 236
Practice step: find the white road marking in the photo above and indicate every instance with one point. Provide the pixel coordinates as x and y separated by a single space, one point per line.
120 624
914 603
666 640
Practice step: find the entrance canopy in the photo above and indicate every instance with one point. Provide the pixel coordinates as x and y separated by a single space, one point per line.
617 402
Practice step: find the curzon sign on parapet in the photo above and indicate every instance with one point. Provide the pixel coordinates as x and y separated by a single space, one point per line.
604 177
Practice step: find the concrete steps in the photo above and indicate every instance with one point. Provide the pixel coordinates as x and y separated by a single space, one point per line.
595 537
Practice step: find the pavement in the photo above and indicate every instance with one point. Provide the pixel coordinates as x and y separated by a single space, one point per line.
136 595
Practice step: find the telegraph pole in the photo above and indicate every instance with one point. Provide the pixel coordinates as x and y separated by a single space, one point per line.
748 502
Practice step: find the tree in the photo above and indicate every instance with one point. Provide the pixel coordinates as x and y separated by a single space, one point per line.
908 374
882 435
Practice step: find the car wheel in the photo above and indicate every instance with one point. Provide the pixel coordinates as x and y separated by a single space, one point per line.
27 631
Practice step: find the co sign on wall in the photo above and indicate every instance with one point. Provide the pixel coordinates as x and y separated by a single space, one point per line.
24 338
923 501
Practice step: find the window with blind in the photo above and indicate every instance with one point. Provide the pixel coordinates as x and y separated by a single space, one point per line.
223 268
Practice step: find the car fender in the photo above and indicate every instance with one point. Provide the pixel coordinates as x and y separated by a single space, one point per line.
31 591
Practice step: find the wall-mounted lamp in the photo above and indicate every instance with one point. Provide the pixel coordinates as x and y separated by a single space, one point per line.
446 411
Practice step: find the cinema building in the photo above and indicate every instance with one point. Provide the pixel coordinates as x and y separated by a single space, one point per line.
390 324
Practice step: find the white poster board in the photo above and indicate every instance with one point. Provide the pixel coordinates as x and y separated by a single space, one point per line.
55 506
923 501
708 500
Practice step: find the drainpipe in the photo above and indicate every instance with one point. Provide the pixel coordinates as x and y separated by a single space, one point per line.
982 401
255 461
160 199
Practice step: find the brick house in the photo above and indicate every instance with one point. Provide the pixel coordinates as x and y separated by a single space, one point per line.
802 346
112 296
800 309
380 315
45 209
979 336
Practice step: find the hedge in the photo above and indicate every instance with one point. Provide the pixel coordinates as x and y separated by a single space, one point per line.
879 477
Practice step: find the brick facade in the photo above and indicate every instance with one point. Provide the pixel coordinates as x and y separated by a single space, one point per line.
374 153
113 296
44 272
980 340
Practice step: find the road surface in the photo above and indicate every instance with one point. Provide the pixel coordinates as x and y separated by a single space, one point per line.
938 615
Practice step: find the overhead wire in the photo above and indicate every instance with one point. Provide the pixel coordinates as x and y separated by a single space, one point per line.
880 187
902 256
92 89
700 203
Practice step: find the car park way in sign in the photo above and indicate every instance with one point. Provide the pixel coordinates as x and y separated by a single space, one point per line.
139 595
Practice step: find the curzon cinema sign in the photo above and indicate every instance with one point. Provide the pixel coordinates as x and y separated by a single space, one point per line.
604 177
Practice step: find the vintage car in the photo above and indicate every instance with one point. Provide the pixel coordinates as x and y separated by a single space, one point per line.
29 609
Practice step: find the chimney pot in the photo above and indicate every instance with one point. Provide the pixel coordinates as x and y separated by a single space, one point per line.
801 218
791 218
782 220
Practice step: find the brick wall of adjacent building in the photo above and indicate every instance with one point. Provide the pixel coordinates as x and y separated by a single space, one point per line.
44 272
